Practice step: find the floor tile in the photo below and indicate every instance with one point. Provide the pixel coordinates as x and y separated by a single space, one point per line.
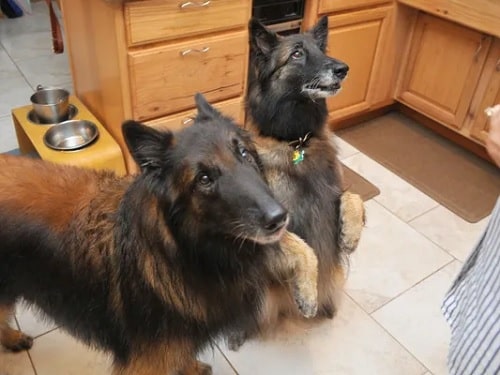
345 150
350 344
29 45
57 353
15 363
391 258
7 68
50 70
15 93
406 316
214 358
31 322
8 139
449 231
397 195
38 20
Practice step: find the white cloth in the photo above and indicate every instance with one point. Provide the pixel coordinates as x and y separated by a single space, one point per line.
472 307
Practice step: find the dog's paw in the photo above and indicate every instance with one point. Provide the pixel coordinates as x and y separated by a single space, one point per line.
306 300
16 341
327 311
352 220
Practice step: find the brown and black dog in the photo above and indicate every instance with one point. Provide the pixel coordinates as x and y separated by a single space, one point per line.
149 268
290 77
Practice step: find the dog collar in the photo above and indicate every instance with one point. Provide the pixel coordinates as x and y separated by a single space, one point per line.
298 145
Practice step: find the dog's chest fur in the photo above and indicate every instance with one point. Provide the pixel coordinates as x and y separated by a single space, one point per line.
310 189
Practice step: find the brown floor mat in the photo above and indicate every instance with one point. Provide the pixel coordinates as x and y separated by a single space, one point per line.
358 184
451 175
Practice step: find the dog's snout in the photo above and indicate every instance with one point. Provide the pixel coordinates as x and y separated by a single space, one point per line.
340 70
275 218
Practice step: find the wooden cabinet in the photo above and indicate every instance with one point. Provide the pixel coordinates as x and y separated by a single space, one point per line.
362 34
360 39
145 59
488 95
328 6
233 108
442 69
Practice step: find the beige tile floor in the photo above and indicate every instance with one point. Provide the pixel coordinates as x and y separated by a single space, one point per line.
389 321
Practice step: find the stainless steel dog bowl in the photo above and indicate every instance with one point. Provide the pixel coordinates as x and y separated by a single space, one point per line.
71 135
33 117
51 105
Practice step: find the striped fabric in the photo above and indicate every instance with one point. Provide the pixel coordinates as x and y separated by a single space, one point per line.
472 307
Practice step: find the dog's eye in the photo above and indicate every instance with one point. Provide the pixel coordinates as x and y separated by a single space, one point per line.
246 154
297 54
204 180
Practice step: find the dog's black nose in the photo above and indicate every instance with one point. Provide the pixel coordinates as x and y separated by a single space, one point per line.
275 218
340 70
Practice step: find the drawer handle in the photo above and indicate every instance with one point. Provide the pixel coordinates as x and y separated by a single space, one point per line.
195 4
498 65
192 50
187 120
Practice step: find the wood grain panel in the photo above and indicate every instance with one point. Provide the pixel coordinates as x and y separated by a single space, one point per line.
164 81
155 20
233 108
355 38
326 6
443 68
482 15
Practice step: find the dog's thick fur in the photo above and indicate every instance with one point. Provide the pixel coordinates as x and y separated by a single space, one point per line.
149 268
290 78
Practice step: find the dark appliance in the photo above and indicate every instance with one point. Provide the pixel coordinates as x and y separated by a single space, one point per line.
281 16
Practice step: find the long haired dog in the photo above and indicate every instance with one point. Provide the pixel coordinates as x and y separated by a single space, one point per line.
149 268
290 77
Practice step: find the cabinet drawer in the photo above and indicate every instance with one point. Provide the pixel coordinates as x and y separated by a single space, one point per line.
154 20
164 79
233 108
327 6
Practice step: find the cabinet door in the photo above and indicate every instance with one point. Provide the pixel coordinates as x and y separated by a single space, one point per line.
358 39
489 97
442 69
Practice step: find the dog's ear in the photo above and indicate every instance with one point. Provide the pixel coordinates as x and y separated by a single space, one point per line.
205 110
148 146
262 40
320 33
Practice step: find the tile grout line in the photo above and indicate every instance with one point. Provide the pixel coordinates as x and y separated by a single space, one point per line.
227 359
411 287
388 333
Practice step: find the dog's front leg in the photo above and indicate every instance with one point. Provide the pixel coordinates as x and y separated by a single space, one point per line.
351 221
299 260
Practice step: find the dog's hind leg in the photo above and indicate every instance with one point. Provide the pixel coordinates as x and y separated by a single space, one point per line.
11 338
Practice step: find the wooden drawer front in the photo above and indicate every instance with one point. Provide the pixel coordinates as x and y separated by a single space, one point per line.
155 20
233 108
163 80
327 6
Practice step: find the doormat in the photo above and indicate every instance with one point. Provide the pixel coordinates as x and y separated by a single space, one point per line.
454 177
358 184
